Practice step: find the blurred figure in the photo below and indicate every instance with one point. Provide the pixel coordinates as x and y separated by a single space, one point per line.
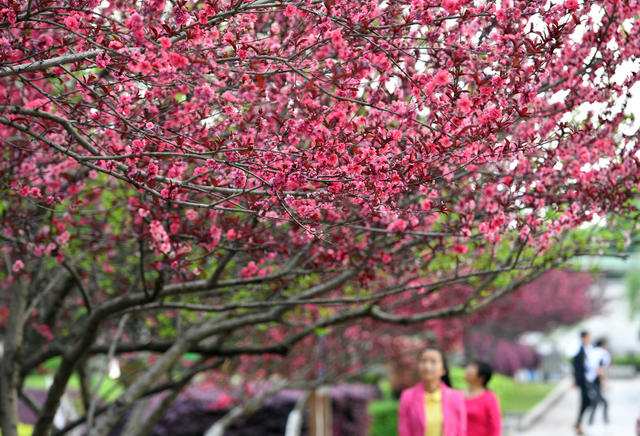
599 361
483 408
579 363
403 365
432 407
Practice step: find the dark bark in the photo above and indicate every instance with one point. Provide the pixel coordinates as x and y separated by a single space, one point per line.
12 359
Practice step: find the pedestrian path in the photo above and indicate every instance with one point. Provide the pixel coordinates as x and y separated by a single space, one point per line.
624 407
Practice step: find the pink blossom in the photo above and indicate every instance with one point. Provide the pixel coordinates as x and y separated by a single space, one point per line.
228 37
464 104
102 60
17 265
231 234
200 170
134 22
71 22
571 5
451 6
398 225
191 215
441 78
460 249
290 11
215 234
178 61
242 53
9 15
165 42
336 37
35 192
158 232
181 15
251 270
144 67
45 331
63 238
152 170
44 42
174 227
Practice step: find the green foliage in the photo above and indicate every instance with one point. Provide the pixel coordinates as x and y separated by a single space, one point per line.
628 359
632 291
385 417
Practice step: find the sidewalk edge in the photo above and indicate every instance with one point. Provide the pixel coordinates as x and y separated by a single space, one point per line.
529 418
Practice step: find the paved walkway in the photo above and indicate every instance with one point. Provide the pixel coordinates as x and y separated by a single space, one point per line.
624 406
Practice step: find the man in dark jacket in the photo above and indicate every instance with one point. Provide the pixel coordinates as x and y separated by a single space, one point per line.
579 374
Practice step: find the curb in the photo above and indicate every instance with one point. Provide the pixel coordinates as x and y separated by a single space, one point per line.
539 409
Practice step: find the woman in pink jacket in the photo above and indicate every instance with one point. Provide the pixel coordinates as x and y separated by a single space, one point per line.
432 407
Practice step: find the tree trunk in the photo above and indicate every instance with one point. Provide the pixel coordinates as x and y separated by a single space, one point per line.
10 371
296 416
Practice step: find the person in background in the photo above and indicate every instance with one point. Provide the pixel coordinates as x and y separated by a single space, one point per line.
579 363
599 359
432 407
483 408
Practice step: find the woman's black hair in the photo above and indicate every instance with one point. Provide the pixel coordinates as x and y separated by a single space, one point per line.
485 371
445 378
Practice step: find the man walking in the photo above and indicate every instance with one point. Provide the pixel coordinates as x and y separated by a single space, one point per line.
599 361
579 362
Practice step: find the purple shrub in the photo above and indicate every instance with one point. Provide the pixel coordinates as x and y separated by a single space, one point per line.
197 409
506 356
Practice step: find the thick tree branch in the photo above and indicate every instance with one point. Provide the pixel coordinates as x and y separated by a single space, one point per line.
49 63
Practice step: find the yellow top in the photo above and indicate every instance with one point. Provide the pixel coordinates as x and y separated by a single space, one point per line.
433 412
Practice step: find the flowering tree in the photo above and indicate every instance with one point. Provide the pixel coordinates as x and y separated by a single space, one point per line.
557 298
230 177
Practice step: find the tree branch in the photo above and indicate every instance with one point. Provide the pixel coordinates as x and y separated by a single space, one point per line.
96 391
48 63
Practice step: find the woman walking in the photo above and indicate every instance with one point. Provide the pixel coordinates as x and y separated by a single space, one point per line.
483 409
432 407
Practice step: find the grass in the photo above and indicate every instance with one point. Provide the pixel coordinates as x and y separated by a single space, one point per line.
23 429
109 390
628 359
515 398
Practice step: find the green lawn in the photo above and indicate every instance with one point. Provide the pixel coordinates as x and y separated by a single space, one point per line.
109 390
23 429
515 398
